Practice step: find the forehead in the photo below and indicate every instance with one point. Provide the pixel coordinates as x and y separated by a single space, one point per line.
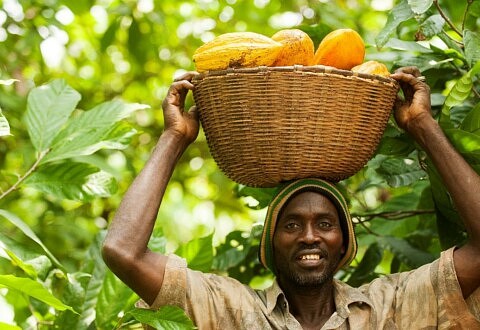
311 201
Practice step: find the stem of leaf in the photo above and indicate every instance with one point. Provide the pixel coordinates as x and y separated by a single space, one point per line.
469 2
26 175
449 22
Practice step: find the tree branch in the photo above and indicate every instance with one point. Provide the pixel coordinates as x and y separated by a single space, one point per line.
26 175
449 22
389 215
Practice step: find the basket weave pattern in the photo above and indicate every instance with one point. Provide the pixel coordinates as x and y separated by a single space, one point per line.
267 125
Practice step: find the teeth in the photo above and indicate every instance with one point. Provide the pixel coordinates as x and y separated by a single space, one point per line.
311 257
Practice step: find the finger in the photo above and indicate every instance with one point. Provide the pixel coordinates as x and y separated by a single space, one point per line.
186 76
413 70
405 79
193 112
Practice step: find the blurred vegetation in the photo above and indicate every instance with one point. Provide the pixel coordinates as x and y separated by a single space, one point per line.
81 86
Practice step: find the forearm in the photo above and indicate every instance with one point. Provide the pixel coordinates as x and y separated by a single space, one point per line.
133 223
462 182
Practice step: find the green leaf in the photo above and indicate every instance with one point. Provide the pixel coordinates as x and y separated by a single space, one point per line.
472 47
74 181
458 94
93 130
166 318
233 251
109 35
95 266
399 14
395 146
468 144
420 6
28 269
4 126
409 255
48 109
198 253
471 123
6 326
401 172
16 221
432 26
364 272
112 299
450 233
411 46
8 82
261 195
33 289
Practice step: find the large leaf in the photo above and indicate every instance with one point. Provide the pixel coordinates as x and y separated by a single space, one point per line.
432 26
420 6
74 181
458 94
16 221
468 144
33 289
364 272
48 109
166 318
4 126
471 123
409 255
93 130
401 172
198 253
5 326
113 298
233 251
472 47
399 14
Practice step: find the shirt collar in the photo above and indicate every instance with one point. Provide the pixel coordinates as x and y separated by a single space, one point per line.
344 295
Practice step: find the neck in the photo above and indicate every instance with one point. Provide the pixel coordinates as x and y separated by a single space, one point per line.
311 306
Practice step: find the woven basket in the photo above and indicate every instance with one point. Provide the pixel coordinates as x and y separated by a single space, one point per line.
266 125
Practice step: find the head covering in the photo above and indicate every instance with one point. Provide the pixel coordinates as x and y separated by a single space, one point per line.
283 195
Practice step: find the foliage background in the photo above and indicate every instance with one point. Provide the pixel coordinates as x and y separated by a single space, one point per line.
95 72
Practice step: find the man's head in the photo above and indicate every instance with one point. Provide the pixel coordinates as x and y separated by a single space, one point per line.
308 233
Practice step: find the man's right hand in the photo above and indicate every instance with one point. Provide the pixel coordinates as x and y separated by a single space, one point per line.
183 124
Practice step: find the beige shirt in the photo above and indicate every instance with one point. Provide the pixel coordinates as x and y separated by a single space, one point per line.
426 298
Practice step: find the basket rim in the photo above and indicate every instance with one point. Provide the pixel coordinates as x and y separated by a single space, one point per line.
315 69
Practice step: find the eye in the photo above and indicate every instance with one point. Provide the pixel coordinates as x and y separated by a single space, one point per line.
325 224
291 225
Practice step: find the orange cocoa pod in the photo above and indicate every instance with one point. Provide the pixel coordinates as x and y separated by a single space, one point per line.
372 67
298 48
236 50
342 49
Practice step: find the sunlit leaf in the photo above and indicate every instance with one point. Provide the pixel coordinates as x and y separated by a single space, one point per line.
198 253
432 26
6 326
75 181
48 109
112 299
28 269
458 94
166 318
33 289
98 128
399 14
16 221
472 47
411 46
8 82
420 6
4 126
468 144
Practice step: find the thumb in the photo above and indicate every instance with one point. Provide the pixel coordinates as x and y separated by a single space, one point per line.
193 112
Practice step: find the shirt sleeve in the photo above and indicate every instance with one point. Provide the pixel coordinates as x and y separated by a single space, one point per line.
427 297
211 301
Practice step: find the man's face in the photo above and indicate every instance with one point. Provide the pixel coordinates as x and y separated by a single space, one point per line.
308 240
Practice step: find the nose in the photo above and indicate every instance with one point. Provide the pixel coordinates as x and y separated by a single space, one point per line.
310 235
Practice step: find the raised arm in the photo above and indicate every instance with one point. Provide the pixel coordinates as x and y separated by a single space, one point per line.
463 183
125 248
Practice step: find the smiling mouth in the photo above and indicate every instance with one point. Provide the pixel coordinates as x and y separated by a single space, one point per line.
310 257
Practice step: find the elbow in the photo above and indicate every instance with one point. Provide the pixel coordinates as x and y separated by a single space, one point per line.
116 257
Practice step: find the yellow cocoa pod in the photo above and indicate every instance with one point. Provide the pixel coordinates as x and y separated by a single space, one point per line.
342 49
372 67
236 50
297 48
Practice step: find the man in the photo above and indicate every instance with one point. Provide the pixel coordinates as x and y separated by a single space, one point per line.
308 235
